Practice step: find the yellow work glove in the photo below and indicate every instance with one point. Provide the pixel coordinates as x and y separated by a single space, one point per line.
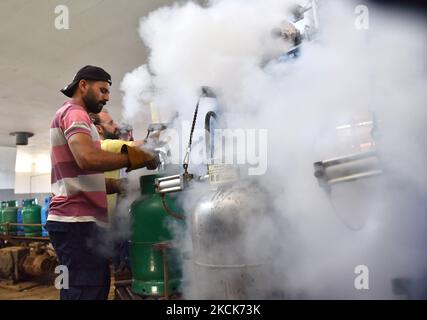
139 158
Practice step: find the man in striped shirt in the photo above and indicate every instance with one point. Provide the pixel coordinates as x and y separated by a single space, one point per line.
78 210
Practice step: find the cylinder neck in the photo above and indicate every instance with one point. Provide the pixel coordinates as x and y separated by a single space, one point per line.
146 184
29 202
11 204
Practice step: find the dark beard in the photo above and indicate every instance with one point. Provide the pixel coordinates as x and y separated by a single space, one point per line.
91 104
111 135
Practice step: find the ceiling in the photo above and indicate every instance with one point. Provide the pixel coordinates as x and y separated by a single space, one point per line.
37 60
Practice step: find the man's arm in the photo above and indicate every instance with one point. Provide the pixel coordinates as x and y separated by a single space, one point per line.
136 143
88 157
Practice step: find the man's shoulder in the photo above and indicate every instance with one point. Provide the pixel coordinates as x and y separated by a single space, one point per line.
71 107
71 111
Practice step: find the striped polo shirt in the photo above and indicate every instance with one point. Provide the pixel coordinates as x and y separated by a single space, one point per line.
78 195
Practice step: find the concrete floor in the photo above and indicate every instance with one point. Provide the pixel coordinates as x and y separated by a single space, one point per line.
39 292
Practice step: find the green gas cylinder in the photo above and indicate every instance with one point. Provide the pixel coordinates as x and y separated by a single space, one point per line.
3 205
31 214
150 226
10 215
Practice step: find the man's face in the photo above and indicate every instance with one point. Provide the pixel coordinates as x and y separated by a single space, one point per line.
95 94
107 127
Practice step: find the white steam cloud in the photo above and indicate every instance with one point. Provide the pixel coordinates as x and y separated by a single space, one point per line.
344 77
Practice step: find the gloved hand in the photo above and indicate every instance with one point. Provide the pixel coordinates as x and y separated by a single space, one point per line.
139 158
116 186
122 187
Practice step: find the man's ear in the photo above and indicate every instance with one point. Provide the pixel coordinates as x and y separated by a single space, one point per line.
83 85
99 129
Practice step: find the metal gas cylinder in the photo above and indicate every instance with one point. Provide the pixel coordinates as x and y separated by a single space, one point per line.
19 263
3 205
31 215
20 229
9 213
229 257
155 265
230 251
44 214
40 261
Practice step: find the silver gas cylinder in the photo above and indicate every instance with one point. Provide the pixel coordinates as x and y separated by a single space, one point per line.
231 251
230 229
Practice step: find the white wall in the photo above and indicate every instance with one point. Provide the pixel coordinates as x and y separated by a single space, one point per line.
26 182
32 172
7 167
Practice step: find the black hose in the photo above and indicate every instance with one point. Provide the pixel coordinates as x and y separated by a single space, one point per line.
208 139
